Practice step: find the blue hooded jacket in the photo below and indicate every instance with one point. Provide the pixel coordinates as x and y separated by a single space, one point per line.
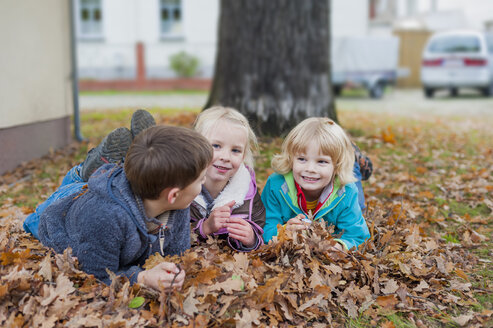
341 209
106 227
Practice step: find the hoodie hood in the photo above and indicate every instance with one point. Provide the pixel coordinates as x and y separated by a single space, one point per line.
241 187
110 183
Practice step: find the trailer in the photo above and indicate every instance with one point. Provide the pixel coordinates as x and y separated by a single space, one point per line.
369 62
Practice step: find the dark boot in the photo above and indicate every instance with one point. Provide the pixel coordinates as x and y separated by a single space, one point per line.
112 149
141 120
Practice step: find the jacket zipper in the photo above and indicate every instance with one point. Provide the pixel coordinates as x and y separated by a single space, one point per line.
330 209
162 229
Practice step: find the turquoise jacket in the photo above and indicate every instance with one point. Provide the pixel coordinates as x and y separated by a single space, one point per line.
341 209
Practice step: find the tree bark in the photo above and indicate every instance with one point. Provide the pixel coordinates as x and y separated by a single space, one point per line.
272 62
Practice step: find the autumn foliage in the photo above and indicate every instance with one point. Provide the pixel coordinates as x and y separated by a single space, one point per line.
420 262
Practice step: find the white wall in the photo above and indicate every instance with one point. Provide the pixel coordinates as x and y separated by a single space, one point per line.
200 20
113 56
349 18
475 11
129 21
35 82
126 22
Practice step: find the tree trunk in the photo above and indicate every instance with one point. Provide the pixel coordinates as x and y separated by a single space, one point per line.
272 62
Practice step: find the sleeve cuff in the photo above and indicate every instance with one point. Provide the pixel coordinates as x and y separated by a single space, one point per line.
199 228
340 241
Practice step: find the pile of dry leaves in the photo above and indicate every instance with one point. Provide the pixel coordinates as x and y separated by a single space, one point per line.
299 279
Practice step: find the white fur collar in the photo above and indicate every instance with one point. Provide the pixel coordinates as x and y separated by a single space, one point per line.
236 189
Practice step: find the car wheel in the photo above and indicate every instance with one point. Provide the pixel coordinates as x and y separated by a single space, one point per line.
376 91
454 92
429 92
488 91
337 90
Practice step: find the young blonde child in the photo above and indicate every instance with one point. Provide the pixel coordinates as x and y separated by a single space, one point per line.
314 181
229 205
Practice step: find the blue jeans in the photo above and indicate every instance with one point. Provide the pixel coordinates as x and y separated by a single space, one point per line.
361 195
72 183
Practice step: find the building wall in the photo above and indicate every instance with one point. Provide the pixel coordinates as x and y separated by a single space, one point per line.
127 22
35 79
349 18
476 12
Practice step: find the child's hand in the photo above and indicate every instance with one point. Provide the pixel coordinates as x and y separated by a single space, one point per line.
296 223
241 230
164 275
218 218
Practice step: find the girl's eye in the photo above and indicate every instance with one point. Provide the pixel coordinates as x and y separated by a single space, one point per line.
301 159
323 162
216 146
238 151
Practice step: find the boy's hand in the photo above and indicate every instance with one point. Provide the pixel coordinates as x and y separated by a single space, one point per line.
218 218
241 230
296 223
161 276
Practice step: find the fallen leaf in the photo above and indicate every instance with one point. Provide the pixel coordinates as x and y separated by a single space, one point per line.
390 287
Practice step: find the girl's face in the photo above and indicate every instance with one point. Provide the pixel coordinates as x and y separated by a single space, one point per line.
229 143
312 171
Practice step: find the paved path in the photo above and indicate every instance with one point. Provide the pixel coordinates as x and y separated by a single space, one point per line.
395 102
413 103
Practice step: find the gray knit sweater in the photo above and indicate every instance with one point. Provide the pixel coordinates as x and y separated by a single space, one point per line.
106 227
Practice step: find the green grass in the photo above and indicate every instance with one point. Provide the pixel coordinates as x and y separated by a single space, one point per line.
360 322
450 238
462 209
399 321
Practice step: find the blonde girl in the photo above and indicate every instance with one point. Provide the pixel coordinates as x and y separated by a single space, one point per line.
314 181
229 205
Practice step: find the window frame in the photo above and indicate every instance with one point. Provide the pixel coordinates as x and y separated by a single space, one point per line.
170 35
88 36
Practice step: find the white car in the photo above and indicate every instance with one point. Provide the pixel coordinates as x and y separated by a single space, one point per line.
458 59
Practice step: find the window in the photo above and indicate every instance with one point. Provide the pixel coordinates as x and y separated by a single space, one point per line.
411 8
90 19
455 43
382 10
170 13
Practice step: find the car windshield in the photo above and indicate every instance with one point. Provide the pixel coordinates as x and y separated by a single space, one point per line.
456 43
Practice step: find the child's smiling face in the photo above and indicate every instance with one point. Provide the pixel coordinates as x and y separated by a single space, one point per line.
229 143
312 171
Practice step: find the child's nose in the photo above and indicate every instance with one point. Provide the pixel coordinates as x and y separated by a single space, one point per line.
310 166
224 155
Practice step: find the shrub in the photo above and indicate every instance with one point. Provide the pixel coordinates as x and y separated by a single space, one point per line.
184 64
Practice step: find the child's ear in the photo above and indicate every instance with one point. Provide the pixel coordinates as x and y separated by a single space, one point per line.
173 194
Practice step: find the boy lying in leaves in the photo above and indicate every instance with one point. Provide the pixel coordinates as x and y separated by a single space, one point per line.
122 215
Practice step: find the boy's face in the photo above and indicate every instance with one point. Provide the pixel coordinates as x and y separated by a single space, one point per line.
312 171
188 194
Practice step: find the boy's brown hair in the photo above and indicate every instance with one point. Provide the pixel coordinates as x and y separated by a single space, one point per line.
166 156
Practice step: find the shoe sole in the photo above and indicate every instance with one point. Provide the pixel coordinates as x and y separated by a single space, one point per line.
141 120
112 149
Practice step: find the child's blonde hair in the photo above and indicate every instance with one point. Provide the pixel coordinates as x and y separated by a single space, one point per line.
331 139
209 118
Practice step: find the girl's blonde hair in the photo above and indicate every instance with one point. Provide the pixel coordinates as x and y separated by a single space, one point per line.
331 139
209 118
